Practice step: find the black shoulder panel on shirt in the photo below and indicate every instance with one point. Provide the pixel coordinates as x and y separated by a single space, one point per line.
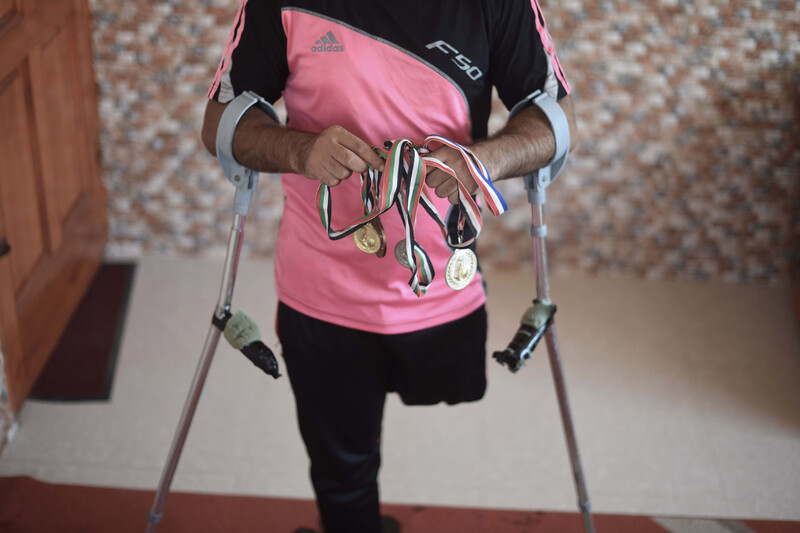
476 44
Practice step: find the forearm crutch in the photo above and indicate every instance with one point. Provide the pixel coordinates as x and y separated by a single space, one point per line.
239 329
537 321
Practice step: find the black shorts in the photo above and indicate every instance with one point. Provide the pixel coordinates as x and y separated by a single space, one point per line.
445 363
340 377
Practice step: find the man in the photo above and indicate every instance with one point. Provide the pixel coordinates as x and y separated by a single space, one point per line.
353 76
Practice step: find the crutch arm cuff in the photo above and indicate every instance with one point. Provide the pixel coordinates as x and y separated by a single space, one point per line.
243 178
558 123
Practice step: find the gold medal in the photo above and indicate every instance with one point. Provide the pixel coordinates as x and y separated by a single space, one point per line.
461 268
370 238
400 254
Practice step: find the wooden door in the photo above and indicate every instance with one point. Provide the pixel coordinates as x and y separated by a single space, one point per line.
52 202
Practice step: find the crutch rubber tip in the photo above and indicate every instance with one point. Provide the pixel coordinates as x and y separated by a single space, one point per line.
153 519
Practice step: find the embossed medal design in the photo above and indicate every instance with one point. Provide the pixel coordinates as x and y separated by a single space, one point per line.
370 238
461 268
400 254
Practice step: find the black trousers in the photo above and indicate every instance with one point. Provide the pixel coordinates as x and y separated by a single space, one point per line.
340 377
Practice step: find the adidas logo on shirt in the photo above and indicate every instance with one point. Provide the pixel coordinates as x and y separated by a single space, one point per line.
327 43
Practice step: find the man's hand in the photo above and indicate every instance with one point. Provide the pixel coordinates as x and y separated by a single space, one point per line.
523 145
443 183
262 144
334 154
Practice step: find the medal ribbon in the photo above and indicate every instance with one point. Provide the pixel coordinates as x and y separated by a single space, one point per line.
494 200
403 184
467 206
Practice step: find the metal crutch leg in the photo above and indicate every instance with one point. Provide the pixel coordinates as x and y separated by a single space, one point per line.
537 322
245 180
543 293
223 307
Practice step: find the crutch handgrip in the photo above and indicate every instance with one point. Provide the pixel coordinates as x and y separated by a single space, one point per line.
532 326
242 333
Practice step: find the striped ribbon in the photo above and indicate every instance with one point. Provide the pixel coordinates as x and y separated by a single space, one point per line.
402 184
491 196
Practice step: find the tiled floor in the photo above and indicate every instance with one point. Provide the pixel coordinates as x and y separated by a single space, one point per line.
686 399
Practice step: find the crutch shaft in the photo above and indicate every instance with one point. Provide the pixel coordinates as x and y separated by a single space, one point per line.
183 427
203 366
540 254
543 294
556 368
231 263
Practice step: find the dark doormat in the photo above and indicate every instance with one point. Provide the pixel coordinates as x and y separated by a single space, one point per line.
81 368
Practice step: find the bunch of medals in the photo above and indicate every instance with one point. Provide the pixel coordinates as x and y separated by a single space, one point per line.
402 184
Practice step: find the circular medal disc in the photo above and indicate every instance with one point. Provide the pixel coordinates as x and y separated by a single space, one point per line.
400 254
461 268
376 223
368 239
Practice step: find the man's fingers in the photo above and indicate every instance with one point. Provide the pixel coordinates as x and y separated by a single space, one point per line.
435 177
447 188
442 183
336 154
336 169
330 181
366 153
348 159
359 149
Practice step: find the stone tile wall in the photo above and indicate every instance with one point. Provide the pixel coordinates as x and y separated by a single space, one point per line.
689 164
